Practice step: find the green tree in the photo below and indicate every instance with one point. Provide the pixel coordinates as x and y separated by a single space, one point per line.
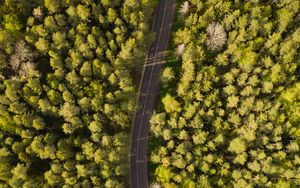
167 75
86 69
11 22
53 6
83 12
285 17
20 172
165 174
50 23
69 110
42 44
38 123
237 146
170 104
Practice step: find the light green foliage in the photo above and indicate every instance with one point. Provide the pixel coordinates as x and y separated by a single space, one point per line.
167 75
42 44
83 11
285 17
52 5
237 95
237 146
163 173
232 101
11 22
170 104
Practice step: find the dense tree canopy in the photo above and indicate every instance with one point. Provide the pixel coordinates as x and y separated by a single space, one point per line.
230 115
66 91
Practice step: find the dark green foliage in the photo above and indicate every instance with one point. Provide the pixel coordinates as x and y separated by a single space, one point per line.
66 91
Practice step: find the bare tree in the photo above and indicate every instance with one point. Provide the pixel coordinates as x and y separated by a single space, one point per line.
23 51
21 54
180 49
14 62
184 8
38 12
27 69
2 78
155 185
216 36
21 61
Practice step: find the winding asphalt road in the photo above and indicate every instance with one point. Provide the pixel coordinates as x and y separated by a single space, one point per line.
148 92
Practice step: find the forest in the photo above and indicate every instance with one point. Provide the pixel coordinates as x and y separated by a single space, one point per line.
67 92
229 107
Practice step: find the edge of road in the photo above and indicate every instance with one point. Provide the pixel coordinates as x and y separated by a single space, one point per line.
154 17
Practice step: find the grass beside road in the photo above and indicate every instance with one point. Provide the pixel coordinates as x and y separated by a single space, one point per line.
172 59
175 64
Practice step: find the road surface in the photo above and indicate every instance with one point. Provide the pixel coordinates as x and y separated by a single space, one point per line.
148 92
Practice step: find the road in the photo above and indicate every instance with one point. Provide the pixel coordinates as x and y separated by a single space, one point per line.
148 92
